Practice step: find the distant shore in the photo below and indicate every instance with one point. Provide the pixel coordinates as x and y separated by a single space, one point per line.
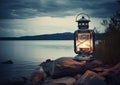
57 36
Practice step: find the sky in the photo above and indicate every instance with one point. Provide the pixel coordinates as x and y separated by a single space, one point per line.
36 17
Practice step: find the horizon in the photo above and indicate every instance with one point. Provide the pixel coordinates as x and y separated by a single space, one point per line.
43 35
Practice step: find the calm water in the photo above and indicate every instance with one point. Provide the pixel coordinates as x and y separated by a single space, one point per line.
27 55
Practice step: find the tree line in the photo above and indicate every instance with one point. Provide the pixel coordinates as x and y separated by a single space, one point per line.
108 48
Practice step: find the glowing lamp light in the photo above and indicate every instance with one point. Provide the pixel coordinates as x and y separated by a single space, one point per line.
83 40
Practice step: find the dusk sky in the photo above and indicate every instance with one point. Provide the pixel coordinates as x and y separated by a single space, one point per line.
36 17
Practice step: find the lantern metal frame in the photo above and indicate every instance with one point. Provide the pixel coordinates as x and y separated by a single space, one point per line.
91 33
84 48
83 54
81 14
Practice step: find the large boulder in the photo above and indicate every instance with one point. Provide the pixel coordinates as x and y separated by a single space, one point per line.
60 81
113 75
38 76
67 66
90 78
67 71
65 80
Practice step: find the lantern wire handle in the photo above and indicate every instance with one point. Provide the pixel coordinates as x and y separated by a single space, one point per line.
81 14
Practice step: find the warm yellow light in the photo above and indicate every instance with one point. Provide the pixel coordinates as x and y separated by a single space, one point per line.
84 45
83 41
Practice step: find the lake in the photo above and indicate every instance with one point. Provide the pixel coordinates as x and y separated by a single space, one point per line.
27 55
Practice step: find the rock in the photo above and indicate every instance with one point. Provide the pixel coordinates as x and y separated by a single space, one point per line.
67 71
98 69
77 76
69 62
105 72
93 64
90 78
37 78
61 81
65 66
48 66
65 80
113 75
7 62
108 71
116 68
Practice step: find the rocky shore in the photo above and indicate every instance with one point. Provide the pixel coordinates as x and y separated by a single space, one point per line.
67 71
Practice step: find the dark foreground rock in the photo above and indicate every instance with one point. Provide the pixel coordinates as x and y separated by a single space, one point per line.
60 81
91 78
7 62
67 71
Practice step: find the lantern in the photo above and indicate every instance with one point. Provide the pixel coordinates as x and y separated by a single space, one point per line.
83 40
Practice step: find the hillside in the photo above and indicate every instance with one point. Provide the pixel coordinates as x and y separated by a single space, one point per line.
57 36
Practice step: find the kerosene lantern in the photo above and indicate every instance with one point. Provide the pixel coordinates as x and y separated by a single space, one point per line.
83 39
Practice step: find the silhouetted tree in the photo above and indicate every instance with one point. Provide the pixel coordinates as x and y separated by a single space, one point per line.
109 45
114 25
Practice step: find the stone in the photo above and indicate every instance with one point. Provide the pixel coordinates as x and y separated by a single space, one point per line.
60 81
113 75
48 67
116 68
91 78
93 64
67 66
7 62
65 80
37 77
77 76
98 69
69 62
67 71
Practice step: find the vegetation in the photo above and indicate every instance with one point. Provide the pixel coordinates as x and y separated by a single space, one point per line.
108 50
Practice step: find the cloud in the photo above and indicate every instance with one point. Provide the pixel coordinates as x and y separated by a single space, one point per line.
22 9
42 25
34 17
36 26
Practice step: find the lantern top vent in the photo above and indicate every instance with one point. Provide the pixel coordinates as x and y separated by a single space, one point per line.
83 23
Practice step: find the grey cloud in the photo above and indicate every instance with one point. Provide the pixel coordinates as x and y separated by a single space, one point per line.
56 8
106 9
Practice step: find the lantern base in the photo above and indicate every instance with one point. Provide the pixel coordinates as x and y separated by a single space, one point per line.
84 57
